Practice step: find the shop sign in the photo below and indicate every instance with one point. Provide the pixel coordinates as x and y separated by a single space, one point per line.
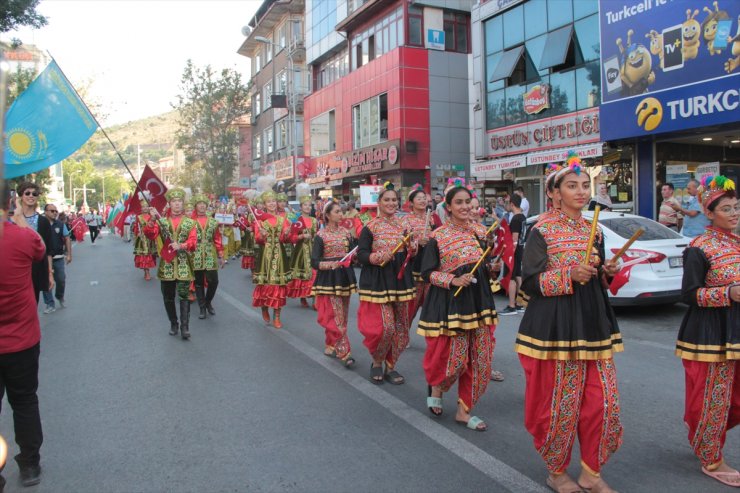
582 127
537 99
368 159
560 155
666 69
486 169
284 169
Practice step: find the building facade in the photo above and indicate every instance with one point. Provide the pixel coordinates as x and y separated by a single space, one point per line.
275 46
390 93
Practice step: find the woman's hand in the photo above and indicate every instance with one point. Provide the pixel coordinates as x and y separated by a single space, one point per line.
611 268
583 273
464 280
735 293
423 241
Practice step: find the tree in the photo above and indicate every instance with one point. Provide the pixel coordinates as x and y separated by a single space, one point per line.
209 105
17 13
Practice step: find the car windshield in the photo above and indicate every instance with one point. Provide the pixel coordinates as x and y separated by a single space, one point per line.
626 227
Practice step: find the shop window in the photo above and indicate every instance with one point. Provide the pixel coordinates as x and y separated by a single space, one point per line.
559 13
416 26
370 122
323 134
535 15
513 26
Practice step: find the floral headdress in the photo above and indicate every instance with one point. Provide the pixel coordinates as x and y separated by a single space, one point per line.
455 183
713 187
416 188
388 186
572 165
551 170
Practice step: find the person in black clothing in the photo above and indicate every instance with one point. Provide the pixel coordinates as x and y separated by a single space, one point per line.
42 272
61 254
516 225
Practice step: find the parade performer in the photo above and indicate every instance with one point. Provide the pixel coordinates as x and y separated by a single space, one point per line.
386 288
78 227
245 225
709 338
567 338
458 329
208 257
227 234
334 284
302 232
144 248
419 223
179 236
272 276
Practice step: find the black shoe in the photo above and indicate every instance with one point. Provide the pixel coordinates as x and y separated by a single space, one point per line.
30 475
508 311
210 309
202 313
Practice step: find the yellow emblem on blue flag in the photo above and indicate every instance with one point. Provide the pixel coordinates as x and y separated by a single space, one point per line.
46 124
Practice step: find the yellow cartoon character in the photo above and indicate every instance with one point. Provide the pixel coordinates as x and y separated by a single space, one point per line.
734 62
656 44
636 68
709 27
690 31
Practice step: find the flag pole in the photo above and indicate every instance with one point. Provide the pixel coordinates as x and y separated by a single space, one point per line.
4 68
136 183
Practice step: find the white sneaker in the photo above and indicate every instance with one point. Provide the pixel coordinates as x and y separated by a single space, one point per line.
61 304
49 309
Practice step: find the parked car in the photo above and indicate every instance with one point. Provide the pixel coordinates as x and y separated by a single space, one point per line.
658 280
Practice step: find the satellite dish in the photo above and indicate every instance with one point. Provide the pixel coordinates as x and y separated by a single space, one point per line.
246 30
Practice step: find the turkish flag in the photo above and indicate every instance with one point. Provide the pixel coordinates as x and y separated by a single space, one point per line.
507 251
148 182
167 253
261 215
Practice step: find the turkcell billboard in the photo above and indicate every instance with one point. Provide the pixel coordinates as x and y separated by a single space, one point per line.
668 65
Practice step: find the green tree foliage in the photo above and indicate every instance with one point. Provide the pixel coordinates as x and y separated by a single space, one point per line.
209 105
18 13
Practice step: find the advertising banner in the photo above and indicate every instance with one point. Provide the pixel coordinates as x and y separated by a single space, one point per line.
369 195
668 65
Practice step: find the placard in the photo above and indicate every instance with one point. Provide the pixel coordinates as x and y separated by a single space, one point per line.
224 218
369 195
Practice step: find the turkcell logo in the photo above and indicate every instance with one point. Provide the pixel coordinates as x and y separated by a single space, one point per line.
698 105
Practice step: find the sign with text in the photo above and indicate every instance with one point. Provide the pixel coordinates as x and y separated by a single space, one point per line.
435 39
709 169
369 195
379 157
284 169
560 155
492 169
581 127
224 218
537 99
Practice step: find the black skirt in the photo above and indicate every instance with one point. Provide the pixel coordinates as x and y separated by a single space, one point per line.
337 282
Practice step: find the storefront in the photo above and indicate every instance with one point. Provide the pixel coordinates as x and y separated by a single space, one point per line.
673 100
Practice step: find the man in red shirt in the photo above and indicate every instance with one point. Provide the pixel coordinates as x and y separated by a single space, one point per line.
20 247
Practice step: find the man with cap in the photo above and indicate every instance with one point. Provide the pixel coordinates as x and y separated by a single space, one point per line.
179 235
208 256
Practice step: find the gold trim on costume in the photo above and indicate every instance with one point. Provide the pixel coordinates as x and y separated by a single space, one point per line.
569 350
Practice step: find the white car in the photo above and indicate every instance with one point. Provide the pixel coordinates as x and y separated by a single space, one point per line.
659 279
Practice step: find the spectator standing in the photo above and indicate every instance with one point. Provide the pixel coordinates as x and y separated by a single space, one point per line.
525 203
695 222
43 271
127 227
500 210
61 254
668 215
20 249
91 219
601 199
516 224
440 209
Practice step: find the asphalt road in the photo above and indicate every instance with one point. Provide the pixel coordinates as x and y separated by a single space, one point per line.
243 407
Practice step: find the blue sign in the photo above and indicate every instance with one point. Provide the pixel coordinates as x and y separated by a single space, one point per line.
709 103
435 39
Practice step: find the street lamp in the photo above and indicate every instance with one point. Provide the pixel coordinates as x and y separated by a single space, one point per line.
70 184
290 94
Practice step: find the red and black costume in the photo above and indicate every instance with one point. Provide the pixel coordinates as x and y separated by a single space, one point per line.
420 225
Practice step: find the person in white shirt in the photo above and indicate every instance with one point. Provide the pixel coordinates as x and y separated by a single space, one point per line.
525 203
93 223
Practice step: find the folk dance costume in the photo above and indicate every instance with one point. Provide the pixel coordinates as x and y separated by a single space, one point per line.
383 316
258 207
177 274
144 248
208 254
301 273
458 329
420 225
566 342
332 289
272 274
709 337
247 244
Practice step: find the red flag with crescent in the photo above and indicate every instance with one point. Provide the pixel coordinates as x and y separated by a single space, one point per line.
261 215
149 182
507 249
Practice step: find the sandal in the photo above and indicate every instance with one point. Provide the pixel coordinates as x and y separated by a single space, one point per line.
497 376
474 424
394 378
433 402
348 362
376 374
566 485
728 478
330 353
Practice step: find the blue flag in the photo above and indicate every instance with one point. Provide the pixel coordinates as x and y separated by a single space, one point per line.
46 124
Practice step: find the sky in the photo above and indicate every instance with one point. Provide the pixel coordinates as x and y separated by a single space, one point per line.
134 51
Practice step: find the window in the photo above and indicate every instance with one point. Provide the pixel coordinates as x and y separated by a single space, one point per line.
257 104
281 37
494 35
257 63
296 30
267 94
268 50
456 32
559 13
257 146
416 26
513 26
323 134
281 134
323 18
332 69
587 35
268 140
370 122
535 13
281 82
378 39
524 70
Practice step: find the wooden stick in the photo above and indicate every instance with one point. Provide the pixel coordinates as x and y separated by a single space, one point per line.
592 237
629 243
398 247
480 260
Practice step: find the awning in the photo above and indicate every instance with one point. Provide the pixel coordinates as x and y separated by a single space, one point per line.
506 64
556 48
